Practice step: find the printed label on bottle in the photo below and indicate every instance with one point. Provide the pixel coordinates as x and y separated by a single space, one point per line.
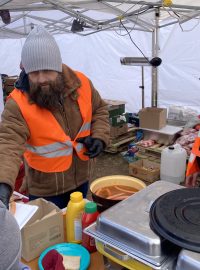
77 230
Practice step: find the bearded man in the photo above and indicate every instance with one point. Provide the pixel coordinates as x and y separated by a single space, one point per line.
56 120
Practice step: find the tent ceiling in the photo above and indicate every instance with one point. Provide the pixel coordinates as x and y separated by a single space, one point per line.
58 15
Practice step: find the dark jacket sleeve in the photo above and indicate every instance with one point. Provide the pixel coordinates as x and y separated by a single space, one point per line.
100 127
13 136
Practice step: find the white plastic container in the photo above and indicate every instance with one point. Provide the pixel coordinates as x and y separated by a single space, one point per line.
173 164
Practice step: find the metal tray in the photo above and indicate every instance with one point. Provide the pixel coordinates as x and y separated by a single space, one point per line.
188 260
125 226
166 262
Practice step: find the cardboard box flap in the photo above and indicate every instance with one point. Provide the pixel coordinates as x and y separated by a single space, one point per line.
50 214
151 110
44 209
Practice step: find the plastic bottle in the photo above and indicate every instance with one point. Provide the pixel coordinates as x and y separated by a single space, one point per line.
74 213
173 164
89 216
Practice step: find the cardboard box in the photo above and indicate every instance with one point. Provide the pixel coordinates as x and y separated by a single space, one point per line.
117 131
43 230
11 80
146 170
9 84
115 107
153 118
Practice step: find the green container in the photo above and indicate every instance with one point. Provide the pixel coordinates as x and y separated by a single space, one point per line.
118 120
116 110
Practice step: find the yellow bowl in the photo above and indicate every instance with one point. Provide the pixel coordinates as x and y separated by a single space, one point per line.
111 180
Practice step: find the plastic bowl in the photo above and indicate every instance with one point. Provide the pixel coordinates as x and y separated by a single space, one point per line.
70 250
107 181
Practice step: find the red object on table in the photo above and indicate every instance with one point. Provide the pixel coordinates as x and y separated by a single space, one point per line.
89 216
53 260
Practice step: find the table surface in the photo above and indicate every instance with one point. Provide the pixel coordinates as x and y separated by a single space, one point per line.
96 262
167 130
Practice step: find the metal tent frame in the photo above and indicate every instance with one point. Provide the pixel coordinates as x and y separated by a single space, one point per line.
98 15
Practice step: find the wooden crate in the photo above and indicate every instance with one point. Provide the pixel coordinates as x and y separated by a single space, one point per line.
9 84
154 150
119 143
146 170
115 132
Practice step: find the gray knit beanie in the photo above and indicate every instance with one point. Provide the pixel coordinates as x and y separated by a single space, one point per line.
41 52
10 240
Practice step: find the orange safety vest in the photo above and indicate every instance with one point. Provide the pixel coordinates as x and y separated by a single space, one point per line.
49 149
193 166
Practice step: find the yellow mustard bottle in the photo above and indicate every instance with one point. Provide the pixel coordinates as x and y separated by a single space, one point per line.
74 213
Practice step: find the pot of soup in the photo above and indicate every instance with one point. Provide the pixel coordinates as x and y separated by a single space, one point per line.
109 190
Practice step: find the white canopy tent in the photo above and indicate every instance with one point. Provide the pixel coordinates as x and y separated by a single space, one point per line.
96 15
98 55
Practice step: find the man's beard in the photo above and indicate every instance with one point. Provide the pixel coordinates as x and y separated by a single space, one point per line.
48 96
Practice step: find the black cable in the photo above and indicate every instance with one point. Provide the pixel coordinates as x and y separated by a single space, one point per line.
133 41
155 62
123 35
176 13
141 12
133 14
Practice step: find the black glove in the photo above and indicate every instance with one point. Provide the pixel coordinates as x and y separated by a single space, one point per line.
94 146
5 193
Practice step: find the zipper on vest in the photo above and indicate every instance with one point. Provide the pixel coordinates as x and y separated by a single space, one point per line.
64 115
75 167
63 178
56 184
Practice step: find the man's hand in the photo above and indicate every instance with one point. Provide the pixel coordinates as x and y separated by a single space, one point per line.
5 193
94 146
191 180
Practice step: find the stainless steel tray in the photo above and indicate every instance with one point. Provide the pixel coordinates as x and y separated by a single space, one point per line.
125 226
166 262
188 260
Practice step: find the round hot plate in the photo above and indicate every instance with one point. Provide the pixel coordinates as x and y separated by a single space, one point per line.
176 217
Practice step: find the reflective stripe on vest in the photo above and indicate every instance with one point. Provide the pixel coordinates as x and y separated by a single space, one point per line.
193 166
85 127
52 150
49 149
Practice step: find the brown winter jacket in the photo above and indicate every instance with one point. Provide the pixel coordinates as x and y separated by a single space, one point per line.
14 133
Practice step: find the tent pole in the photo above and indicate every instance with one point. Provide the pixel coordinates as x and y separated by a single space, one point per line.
24 21
154 92
142 86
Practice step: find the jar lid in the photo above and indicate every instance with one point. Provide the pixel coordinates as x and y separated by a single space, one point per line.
90 207
76 196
